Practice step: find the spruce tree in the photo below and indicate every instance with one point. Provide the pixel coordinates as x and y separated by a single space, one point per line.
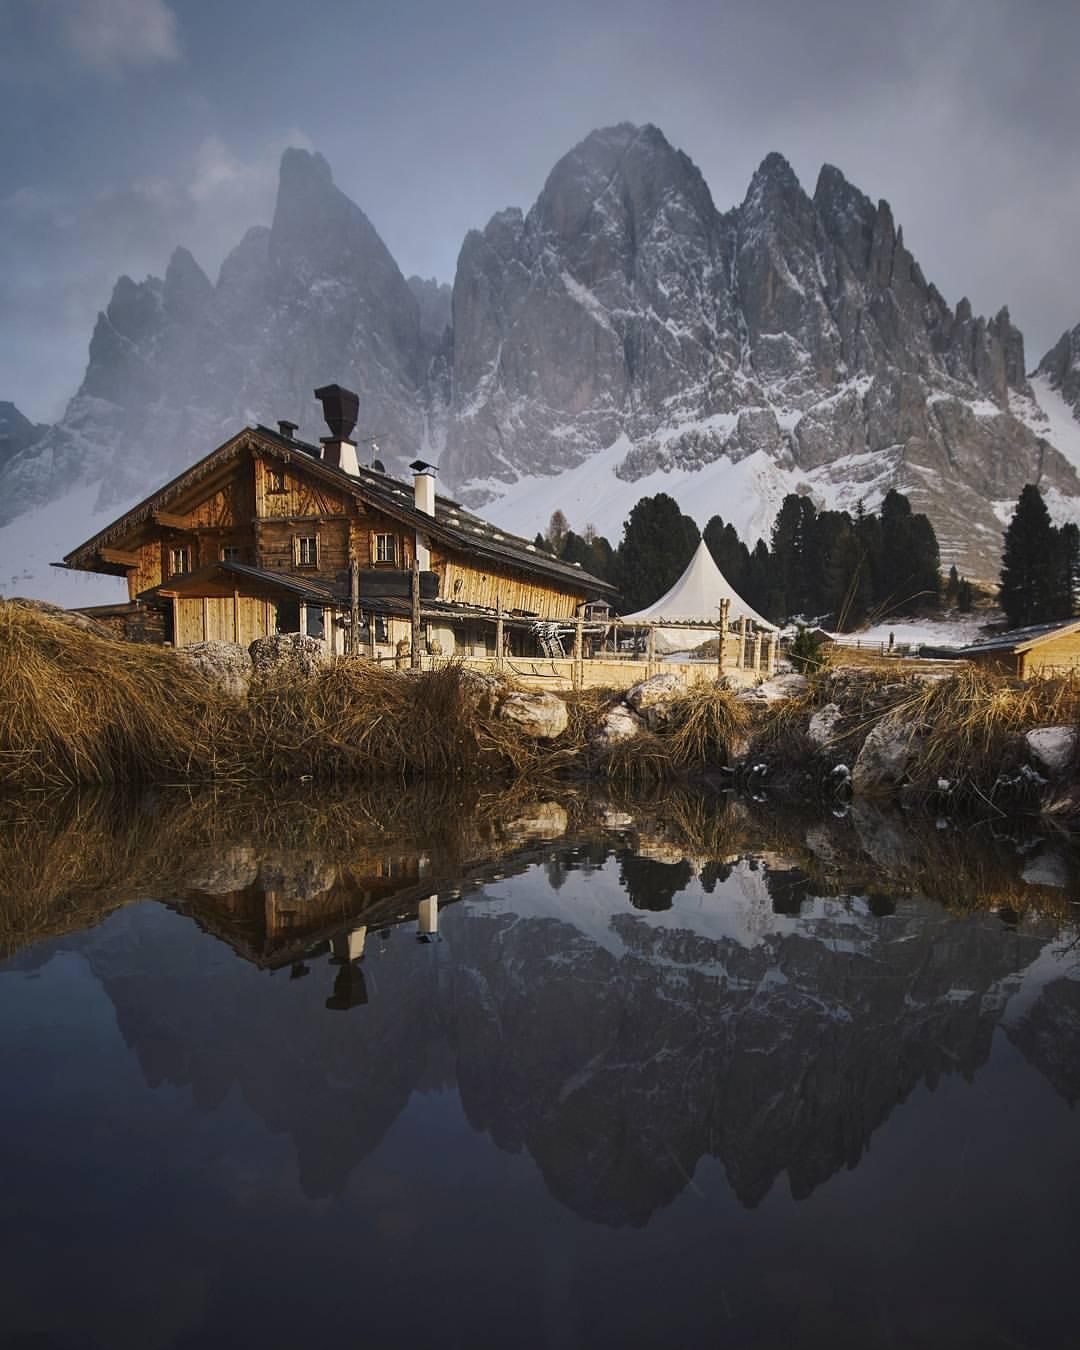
1030 564
658 542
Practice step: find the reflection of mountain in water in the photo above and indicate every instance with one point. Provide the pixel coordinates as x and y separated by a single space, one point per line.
619 1025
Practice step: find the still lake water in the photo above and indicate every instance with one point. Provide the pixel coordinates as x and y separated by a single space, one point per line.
423 1071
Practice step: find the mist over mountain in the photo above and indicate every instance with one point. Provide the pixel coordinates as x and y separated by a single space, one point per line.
623 337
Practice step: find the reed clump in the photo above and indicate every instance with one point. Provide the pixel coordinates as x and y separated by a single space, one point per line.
81 709
970 728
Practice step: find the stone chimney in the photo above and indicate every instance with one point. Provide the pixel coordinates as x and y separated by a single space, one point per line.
424 500
340 407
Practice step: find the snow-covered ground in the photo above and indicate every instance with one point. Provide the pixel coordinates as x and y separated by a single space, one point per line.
957 631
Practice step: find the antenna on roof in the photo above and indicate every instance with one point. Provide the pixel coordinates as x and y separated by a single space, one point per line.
372 443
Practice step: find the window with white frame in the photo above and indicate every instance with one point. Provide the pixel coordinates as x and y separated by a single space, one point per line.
306 550
179 561
385 548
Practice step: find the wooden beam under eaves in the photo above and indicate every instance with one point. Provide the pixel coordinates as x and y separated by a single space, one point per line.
119 556
171 521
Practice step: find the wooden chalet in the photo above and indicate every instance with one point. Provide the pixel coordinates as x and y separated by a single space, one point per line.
267 534
1045 649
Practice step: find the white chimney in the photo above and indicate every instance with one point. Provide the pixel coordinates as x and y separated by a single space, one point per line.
424 500
341 454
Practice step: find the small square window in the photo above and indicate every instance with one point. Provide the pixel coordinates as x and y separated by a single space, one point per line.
275 480
232 553
179 562
307 550
385 548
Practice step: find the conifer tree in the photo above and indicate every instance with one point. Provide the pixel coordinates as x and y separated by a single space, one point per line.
1030 564
658 543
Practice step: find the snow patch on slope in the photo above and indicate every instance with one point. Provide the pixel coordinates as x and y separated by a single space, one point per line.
40 537
746 493
1051 417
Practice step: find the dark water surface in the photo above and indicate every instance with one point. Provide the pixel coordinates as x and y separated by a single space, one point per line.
423 1071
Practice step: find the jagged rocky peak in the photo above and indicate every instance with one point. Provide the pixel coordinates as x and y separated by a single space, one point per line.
434 300
187 290
618 174
1061 367
16 431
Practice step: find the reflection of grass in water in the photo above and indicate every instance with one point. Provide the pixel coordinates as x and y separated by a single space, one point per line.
68 861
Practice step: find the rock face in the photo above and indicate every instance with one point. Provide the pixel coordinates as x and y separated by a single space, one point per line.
791 343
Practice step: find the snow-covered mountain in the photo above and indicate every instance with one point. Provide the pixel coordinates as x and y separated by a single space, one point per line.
621 338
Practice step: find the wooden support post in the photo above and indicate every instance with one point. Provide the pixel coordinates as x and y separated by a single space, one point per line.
498 632
725 608
743 625
236 616
414 656
578 674
354 607
757 652
615 637
651 655
303 619
205 619
770 653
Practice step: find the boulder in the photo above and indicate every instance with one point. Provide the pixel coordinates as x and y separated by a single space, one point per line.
540 715
619 723
292 653
652 698
777 689
883 760
225 664
1052 748
823 724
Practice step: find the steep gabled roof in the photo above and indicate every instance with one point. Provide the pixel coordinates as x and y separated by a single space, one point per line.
1023 639
452 524
696 597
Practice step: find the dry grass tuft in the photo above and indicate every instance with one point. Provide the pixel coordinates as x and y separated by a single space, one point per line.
78 708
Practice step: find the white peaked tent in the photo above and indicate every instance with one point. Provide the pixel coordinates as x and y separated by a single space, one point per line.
696 598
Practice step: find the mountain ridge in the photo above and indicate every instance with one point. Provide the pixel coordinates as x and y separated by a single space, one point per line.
621 335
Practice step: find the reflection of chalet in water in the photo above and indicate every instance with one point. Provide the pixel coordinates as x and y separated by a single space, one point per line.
267 534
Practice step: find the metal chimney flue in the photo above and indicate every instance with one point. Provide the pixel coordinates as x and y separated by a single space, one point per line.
340 409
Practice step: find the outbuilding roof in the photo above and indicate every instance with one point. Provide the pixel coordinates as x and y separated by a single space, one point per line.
1021 639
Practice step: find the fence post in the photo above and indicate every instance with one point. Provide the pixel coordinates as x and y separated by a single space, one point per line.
498 633
725 607
651 655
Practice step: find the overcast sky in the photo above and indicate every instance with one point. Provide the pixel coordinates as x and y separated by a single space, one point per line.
131 126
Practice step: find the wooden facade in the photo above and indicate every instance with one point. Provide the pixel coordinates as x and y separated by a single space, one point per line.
1027 653
263 535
